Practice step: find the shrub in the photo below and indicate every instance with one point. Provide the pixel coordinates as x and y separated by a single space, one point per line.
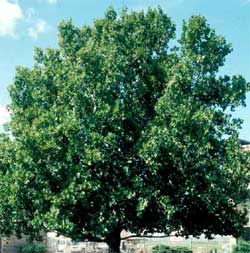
242 247
160 249
246 234
33 248
167 249
181 250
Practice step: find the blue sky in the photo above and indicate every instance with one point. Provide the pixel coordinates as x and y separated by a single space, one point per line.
26 24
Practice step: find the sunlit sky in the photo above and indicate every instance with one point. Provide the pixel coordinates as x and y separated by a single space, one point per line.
26 24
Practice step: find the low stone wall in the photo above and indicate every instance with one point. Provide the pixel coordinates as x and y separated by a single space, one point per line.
61 244
13 244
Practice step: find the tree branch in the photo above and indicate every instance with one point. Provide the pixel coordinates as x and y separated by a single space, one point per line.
145 236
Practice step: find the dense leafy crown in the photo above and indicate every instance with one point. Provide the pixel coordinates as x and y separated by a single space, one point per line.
115 130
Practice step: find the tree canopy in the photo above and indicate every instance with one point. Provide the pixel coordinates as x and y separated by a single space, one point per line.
115 129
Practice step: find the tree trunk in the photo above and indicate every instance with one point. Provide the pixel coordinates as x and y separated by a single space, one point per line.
114 240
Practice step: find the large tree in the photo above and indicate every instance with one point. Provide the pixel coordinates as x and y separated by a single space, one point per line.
116 130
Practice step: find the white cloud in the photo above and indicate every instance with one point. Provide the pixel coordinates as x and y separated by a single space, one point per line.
245 2
4 115
10 13
52 1
39 28
47 1
30 13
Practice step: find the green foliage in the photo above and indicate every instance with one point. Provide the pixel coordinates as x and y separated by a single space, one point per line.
242 247
246 234
116 130
167 249
160 248
33 248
